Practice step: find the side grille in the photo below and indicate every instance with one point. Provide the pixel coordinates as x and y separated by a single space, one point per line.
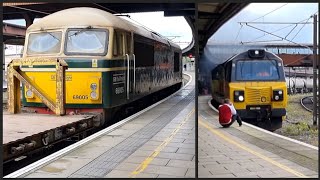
257 95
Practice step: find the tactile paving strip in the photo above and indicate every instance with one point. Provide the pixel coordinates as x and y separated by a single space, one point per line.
104 164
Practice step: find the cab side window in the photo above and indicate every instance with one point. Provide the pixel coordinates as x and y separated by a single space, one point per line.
118 41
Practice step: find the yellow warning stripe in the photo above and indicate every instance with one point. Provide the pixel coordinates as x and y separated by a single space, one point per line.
150 158
221 135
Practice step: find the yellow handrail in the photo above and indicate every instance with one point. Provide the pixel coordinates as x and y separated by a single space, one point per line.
15 76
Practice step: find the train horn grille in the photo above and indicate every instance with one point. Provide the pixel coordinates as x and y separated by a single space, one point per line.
258 95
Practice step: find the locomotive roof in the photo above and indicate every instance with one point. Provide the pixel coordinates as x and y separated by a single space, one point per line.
84 16
244 55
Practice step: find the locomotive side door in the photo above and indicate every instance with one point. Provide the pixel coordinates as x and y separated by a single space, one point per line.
123 50
130 58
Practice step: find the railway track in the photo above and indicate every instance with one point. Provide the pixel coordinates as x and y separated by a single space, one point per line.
307 103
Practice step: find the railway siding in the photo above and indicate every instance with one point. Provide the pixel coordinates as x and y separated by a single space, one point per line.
298 123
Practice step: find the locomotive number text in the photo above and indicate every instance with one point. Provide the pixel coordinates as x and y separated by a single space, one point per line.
68 77
119 90
80 96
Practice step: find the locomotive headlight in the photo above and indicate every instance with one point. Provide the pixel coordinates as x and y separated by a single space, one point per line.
238 96
93 86
277 95
29 94
93 95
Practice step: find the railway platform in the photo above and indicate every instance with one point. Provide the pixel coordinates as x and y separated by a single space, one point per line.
248 151
158 142
27 132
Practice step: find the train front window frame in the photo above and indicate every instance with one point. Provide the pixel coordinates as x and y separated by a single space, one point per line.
44 43
101 51
257 70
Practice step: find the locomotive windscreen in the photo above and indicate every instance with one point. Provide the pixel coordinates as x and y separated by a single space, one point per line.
257 70
44 43
87 41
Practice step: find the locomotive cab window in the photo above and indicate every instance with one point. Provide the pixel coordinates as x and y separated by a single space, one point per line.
129 43
44 43
118 43
256 70
87 41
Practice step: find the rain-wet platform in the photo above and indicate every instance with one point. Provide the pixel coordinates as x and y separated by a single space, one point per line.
249 152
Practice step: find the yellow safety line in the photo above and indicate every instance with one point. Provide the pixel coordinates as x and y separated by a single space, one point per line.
150 158
286 168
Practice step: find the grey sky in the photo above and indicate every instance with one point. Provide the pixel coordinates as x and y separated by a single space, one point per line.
166 26
292 12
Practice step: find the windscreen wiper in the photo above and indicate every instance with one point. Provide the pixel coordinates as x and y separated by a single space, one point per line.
49 34
80 31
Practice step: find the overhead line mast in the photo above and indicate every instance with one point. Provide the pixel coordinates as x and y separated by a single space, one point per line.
316 68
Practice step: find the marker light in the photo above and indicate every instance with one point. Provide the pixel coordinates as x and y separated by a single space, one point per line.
93 95
29 94
277 95
93 86
238 96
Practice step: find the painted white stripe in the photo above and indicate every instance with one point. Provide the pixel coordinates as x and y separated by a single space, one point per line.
42 162
271 133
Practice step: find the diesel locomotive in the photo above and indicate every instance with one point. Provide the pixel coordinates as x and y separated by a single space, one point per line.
255 83
111 61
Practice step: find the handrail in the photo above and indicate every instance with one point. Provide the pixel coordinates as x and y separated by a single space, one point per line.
134 72
15 76
128 76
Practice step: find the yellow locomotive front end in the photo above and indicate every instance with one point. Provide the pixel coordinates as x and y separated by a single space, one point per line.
81 87
86 46
263 102
255 82
83 82
258 89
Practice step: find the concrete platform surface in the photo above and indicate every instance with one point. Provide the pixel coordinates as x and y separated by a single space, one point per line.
158 143
246 152
19 126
